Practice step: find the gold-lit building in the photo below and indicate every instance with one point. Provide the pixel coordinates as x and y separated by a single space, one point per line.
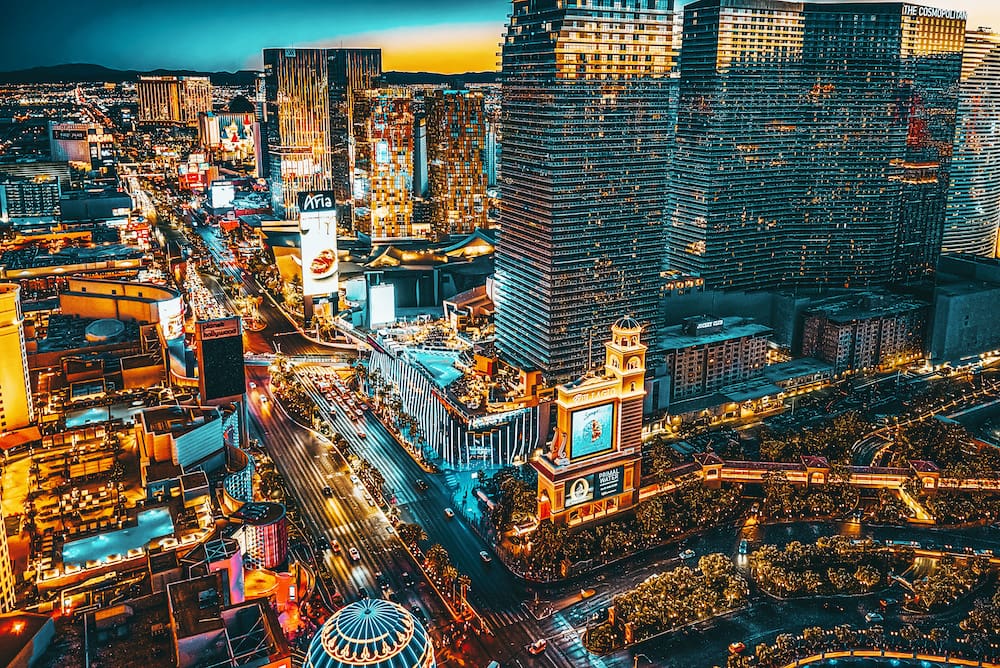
592 466
16 409
383 173
456 160
8 597
171 99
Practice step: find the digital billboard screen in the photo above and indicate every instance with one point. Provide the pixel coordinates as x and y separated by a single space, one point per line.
381 305
592 431
595 486
221 194
221 372
318 242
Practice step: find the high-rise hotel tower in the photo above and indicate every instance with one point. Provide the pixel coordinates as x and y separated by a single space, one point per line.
973 213
586 86
309 97
814 142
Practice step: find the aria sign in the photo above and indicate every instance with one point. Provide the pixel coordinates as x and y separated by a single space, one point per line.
317 201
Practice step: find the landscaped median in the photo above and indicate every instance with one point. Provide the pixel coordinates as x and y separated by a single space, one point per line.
668 601
834 565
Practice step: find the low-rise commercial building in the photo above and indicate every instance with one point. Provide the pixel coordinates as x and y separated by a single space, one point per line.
705 354
864 331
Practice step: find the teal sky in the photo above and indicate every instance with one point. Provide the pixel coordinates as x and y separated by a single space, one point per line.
436 35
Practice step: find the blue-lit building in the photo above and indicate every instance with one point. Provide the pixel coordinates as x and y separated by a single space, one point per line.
586 149
813 144
973 213
371 633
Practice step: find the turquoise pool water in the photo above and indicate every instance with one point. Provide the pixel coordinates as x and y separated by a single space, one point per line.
440 363
153 523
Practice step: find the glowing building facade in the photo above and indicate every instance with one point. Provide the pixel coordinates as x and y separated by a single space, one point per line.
16 409
309 100
173 100
813 142
973 213
586 147
383 172
456 157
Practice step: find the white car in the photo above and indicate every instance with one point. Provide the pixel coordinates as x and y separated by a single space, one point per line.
485 556
448 512
355 555
263 399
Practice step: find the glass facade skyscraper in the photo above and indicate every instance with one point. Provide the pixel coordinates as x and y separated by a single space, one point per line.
586 142
456 159
308 113
813 142
973 212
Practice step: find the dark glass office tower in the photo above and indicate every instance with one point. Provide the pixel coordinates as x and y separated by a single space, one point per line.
813 142
586 96
308 113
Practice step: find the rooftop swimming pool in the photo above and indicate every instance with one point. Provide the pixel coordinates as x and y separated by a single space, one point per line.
440 363
154 523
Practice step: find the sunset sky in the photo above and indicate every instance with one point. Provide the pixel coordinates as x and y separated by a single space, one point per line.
434 35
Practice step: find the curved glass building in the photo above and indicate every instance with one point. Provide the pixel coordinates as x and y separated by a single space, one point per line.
973 212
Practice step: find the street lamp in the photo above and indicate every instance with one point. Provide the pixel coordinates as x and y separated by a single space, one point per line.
635 660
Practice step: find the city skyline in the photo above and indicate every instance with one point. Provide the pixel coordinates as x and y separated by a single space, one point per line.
443 36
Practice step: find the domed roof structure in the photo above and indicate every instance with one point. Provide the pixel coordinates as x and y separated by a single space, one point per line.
104 329
627 323
373 633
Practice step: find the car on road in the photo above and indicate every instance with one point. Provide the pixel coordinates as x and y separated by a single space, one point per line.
873 618
485 556
362 434
538 646
328 491
406 579
744 546
355 479
263 399
355 555
415 609
335 545
687 554
448 512
888 602
737 647
421 484
253 385
362 592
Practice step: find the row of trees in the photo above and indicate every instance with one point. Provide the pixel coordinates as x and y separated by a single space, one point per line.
832 440
950 580
832 565
961 507
783 499
554 549
671 599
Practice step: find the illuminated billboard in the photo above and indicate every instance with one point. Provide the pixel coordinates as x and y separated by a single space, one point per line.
220 359
318 242
595 486
171 314
221 194
592 431
381 305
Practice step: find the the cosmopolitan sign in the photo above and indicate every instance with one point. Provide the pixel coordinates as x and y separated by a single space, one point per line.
933 12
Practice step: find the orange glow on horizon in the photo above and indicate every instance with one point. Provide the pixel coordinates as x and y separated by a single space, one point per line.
447 49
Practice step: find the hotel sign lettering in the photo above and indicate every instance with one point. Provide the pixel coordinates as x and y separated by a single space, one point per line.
933 12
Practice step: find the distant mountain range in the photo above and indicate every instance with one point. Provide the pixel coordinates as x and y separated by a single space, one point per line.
80 72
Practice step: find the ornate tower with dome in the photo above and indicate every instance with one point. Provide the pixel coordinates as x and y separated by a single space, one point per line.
590 470
372 633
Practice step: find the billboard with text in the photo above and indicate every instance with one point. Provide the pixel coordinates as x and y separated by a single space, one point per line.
318 242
